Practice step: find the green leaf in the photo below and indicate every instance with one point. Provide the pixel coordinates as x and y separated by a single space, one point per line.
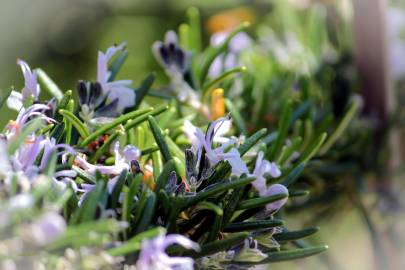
184 36
230 241
70 107
116 122
164 175
251 141
129 194
298 193
71 205
88 178
252 225
62 105
87 211
156 162
232 204
217 189
50 167
5 96
210 206
293 175
294 235
115 194
159 138
74 232
148 213
344 123
261 201
282 130
28 101
211 84
46 129
143 89
287 151
116 65
129 125
194 32
106 145
175 149
58 132
145 116
134 244
216 227
48 84
237 117
313 149
79 125
292 254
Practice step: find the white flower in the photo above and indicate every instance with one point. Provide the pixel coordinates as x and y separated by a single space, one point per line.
201 141
262 168
122 161
154 257
114 89
20 201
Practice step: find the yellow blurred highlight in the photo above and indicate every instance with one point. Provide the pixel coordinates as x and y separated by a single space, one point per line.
230 19
217 103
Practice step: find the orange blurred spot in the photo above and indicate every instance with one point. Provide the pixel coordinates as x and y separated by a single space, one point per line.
148 179
229 19
217 103
30 141
15 125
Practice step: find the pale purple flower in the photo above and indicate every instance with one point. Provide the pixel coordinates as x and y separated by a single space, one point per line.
239 43
47 228
63 179
176 62
219 133
153 255
122 161
264 167
275 190
170 55
24 116
115 90
50 146
226 151
23 160
31 88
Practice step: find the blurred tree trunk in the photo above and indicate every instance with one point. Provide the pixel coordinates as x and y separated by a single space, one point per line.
377 89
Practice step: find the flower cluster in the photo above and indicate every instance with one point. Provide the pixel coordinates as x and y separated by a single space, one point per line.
114 182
